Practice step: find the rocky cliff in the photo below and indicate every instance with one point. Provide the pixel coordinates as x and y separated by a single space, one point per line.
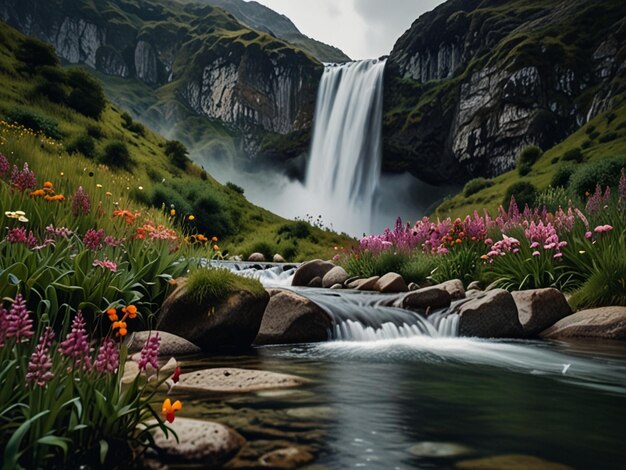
474 81
198 56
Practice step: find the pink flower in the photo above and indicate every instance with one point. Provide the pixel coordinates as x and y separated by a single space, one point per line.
23 179
558 255
108 359
536 253
603 228
150 353
76 344
488 241
4 165
18 321
106 264
93 239
58 232
588 234
40 364
80 202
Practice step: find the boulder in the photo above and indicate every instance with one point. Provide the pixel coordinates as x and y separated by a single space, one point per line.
391 283
200 442
278 259
364 284
605 323
510 462
337 275
475 285
230 380
454 287
286 458
171 345
336 286
315 282
290 318
310 270
413 286
540 308
257 258
232 323
492 314
428 297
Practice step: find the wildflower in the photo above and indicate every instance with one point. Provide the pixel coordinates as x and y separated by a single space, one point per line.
23 179
216 248
76 344
40 363
557 255
108 358
603 228
99 186
127 215
140 188
38 193
105 264
176 375
112 314
172 212
150 353
80 202
4 323
588 234
130 311
168 409
47 185
536 253
121 327
4 165
108 194
93 239
192 218
19 324
58 232
214 239
19 236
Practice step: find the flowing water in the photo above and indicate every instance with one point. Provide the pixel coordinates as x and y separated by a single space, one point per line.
428 399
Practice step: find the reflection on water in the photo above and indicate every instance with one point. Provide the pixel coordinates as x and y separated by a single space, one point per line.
369 403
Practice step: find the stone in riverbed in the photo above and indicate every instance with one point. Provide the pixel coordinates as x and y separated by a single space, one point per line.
439 450
493 314
475 285
291 318
171 345
510 462
232 323
364 284
604 323
454 287
336 275
391 283
310 270
413 286
257 258
286 458
230 380
278 259
540 308
315 282
336 286
428 297
201 442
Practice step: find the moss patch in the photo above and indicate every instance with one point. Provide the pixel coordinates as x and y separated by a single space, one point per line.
214 285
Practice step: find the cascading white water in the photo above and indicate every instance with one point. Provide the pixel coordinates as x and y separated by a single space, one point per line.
345 160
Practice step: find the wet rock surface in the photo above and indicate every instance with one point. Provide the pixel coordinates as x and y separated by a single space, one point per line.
232 380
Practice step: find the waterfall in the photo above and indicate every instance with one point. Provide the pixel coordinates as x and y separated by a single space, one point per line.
345 159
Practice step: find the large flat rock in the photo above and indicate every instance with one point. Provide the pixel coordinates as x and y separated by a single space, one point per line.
171 345
230 380
604 323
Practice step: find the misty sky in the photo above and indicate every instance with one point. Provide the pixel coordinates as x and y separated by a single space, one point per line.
363 29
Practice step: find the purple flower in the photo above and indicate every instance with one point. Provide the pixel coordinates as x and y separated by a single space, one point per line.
150 353
58 232
18 235
76 344
19 324
80 202
23 179
40 364
112 241
108 359
4 165
93 239
603 228
105 264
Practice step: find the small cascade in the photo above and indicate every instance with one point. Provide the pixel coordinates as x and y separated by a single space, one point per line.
345 160
269 274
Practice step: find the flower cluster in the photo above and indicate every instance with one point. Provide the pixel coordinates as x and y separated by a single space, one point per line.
4 165
23 179
105 264
127 215
150 353
40 363
47 193
19 324
76 344
19 236
58 232
546 237
81 204
93 239
502 247
108 358
120 325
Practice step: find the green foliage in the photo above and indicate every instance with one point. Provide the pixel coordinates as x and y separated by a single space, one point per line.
524 192
460 263
573 155
235 188
95 131
87 96
34 54
266 248
54 91
527 158
116 155
413 267
177 152
84 144
132 126
553 198
214 285
35 121
605 173
563 174
475 185
298 229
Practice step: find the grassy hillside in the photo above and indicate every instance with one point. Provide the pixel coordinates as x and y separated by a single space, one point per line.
147 177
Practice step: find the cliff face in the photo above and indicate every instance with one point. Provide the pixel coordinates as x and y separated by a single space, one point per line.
474 81
197 55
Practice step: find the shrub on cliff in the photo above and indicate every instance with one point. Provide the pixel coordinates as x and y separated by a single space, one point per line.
524 192
87 96
34 53
527 158
83 144
36 122
116 155
475 185
177 152
603 173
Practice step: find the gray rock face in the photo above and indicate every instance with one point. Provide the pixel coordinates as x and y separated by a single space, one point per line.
231 323
310 270
230 380
290 318
146 62
336 275
490 315
428 297
540 308
605 323
201 442
391 283
171 345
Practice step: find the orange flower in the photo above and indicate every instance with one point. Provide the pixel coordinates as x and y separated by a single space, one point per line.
47 185
216 248
130 311
214 239
128 215
168 409
173 212
112 313
38 192
58 197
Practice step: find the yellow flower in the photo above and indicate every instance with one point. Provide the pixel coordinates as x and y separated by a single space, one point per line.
98 185
172 212
192 218
168 409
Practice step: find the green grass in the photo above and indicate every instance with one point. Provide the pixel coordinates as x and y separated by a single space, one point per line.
214 285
